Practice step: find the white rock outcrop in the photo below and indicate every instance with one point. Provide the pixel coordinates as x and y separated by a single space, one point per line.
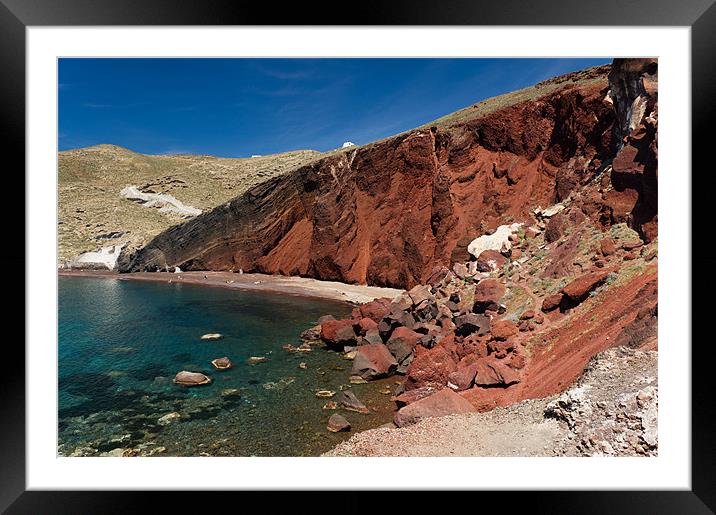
496 241
105 258
165 202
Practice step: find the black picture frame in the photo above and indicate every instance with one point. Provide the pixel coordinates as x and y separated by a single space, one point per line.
17 15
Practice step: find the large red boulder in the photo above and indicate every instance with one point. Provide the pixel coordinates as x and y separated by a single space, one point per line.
552 302
375 309
335 332
463 377
402 342
578 289
373 361
413 395
367 324
439 404
503 329
488 293
420 293
490 261
492 372
437 275
607 247
430 368
472 323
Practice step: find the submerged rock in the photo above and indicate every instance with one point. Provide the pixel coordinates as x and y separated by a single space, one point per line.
350 402
222 363
325 393
338 423
254 360
168 418
187 378
231 393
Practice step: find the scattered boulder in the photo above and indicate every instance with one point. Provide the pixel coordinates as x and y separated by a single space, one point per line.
311 334
325 393
401 343
503 329
375 309
371 336
441 403
472 323
492 372
551 302
405 398
373 361
577 290
231 393
168 418
420 293
437 276
526 315
463 378
255 360
490 261
430 368
338 333
325 318
488 293
632 244
222 363
607 247
367 324
338 423
349 401
460 270
186 378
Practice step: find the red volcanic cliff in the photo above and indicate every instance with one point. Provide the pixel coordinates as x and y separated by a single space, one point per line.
387 213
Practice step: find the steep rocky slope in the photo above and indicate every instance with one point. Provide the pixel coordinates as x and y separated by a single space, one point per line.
387 213
109 195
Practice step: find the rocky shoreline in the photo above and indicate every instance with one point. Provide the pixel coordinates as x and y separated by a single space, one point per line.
610 411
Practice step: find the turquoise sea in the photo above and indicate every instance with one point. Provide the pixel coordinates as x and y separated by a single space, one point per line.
121 342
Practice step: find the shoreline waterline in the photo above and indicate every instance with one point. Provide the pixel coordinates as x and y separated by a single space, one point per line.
288 285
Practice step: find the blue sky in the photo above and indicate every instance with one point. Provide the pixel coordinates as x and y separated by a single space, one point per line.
240 107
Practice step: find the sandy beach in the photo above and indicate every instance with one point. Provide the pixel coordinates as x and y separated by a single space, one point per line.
300 286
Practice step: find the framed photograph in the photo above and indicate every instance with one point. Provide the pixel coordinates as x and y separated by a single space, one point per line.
426 250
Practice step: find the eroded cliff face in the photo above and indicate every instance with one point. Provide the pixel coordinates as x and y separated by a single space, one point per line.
387 213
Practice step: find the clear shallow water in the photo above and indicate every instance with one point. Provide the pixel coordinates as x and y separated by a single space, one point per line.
121 342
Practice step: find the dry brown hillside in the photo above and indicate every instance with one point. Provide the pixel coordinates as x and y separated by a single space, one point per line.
92 213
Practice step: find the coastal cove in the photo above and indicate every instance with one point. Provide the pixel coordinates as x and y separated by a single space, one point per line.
122 341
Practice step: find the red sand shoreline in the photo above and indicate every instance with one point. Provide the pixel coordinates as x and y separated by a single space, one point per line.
298 286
